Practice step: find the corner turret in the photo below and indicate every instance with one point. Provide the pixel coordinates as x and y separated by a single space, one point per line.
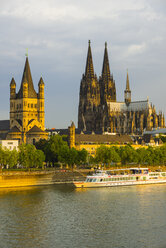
12 89
41 88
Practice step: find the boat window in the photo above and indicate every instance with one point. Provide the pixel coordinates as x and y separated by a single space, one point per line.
101 180
94 179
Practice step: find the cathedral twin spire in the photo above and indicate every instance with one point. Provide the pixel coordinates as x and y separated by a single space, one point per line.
107 82
89 70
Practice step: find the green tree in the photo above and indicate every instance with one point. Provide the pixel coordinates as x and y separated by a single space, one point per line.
13 158
128 154
82 156
53 148
27 155
39 158
106 155
142 155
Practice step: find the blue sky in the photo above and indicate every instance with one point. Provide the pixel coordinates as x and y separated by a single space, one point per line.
56 34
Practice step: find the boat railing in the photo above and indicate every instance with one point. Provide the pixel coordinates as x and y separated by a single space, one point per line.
125 171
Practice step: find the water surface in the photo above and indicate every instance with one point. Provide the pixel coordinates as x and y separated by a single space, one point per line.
64 217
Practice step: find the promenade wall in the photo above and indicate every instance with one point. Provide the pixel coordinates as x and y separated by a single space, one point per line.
37 178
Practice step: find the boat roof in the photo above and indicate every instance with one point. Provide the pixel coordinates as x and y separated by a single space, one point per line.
135 168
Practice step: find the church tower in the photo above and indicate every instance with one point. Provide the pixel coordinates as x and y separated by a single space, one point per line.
27 109
89 98
127 92
71 136
107 83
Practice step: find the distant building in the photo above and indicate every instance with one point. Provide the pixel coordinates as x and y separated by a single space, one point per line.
99 110
91 141
9 144
27 115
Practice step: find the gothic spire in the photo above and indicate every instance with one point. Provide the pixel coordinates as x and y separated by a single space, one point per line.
89 71
127 92
106 67
127 82
27 77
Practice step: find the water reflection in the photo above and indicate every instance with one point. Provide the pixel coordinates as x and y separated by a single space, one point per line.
62 216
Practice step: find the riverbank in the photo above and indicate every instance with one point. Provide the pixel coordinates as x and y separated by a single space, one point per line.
18 178
39 178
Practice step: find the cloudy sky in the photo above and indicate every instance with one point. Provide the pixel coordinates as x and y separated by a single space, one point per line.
56 33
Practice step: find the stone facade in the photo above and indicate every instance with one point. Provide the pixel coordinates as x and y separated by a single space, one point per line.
100 112
27 115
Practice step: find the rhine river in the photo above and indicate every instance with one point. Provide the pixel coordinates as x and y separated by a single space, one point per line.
64 217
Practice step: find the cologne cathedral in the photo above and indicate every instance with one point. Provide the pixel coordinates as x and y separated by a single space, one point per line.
99 110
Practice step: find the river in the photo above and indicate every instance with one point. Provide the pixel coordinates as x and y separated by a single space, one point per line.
64 217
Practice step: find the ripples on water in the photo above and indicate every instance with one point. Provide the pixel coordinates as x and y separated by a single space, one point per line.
64 217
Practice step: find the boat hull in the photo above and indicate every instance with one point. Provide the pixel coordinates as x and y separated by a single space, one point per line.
115 184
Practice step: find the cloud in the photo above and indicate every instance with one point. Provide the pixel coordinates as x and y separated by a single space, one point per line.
56 34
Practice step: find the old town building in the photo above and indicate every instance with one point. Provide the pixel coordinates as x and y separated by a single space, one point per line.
99 111
27 115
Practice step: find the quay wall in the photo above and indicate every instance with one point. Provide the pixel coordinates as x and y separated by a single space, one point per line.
21 178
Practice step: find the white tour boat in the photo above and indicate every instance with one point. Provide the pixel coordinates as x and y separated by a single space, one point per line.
122 177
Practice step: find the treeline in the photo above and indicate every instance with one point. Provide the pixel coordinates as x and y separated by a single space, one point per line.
27 156
56 151
127 154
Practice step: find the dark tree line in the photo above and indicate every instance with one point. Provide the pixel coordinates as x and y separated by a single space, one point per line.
57 150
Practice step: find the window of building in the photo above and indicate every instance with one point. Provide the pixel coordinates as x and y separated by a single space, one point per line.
31 105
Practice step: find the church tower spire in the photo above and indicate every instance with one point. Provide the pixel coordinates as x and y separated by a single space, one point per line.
27 77
89 98
107 83
89 71
106 67
127 92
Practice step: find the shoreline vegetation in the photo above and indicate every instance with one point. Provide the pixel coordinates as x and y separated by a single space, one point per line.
52 161
55 153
